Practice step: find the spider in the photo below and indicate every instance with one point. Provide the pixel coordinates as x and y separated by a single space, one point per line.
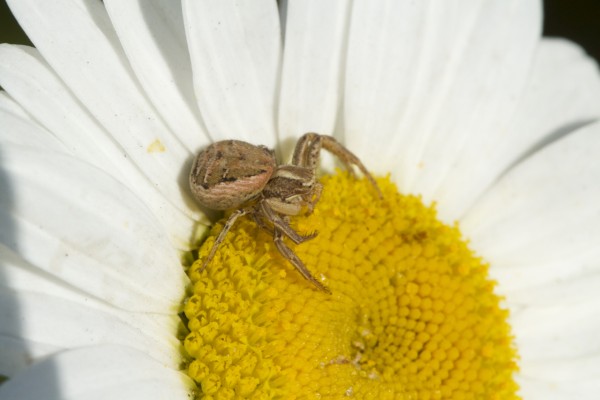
232 174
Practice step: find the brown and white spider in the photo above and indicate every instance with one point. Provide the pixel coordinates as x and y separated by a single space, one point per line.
234 174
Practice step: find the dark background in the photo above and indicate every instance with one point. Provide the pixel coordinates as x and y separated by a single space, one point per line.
578 20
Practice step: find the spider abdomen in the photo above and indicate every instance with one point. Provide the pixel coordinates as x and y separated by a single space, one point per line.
229 173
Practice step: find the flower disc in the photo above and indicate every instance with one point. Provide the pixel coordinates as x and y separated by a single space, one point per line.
413 314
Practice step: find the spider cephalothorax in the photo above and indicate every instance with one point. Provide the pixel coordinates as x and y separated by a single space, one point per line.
232 174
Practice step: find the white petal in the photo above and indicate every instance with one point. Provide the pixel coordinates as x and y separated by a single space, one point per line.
41 315
235 52
541 221
95 68
535 389
18 128
538 227
56 323
566 370
9 105
78 224
17 274
99 372
411 97
477 97
312 67
18 354
566 378
559 292
555 333
382 65
29 79
31 82
563 93
153 37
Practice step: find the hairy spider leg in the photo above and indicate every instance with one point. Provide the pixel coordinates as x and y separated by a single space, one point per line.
308 149
282 224
314 198
230 221
259 218
296 262
304 146
282 227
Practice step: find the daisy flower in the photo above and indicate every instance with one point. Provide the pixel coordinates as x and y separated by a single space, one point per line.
478 281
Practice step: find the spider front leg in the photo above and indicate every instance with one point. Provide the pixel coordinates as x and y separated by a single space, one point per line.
232 218
258 217
282 224
314 197
295 260
308 150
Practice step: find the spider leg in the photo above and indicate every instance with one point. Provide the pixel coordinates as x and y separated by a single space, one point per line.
282 224
232 218
304 149
259 219
295 260
308 149
310 203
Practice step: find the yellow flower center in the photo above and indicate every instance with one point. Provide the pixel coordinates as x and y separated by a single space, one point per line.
413 314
